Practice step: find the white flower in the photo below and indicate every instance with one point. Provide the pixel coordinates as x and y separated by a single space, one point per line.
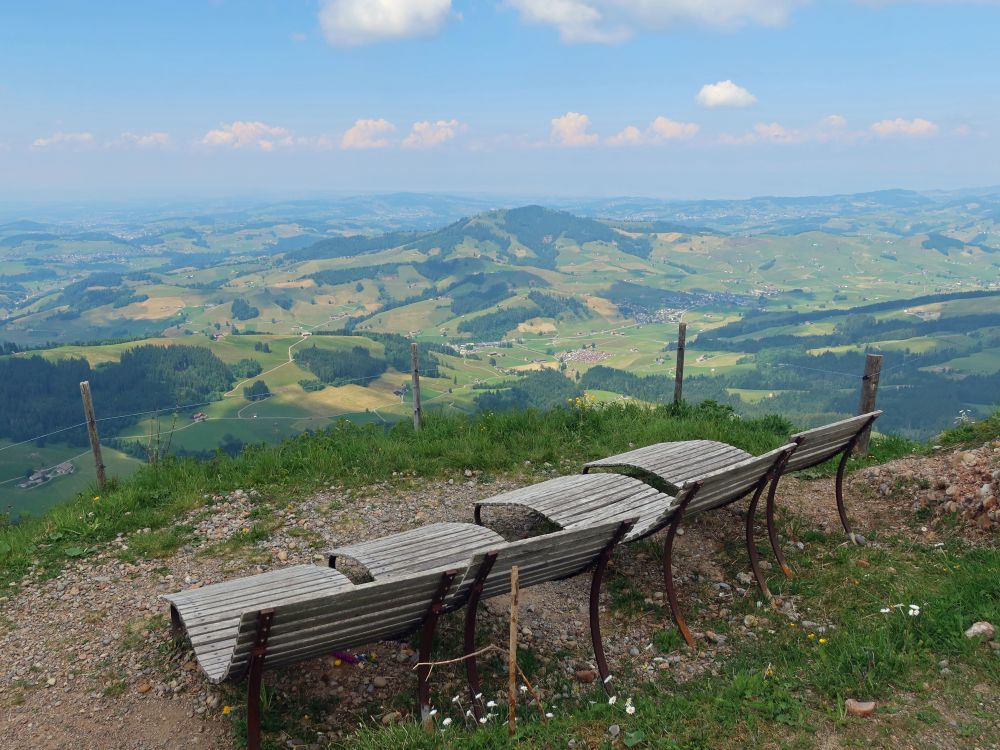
885 610
630 710
446 722
478 696
549 715
483 720
612 700
469 714
914 610
491 704
433 712
523 688
455 699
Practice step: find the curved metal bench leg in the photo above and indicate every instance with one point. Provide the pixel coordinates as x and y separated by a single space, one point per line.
772 530
751 542
668 573
426 641
841 470
595 601
477 514
256 668
469 639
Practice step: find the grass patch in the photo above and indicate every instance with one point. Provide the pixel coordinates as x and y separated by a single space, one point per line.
972 433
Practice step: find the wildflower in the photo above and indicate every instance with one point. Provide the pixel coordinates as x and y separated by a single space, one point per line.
523 688
432 712
455 699
479 696
629 708
491 704
914 610
469 714
97 498
226 710
769 672
885 610
337 662
305 717
483 720
446 722
811 636
612 700
822 641
549 715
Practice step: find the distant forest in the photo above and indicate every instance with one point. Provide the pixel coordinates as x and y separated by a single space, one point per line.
38 395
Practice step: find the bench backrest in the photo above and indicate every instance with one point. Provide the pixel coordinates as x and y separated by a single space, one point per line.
549 557
382 610
727 485
822 443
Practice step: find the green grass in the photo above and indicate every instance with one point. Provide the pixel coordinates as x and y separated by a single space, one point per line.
781 689
972 433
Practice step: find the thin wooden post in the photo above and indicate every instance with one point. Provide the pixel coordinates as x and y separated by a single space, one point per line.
679 371
869 391
417 414
512 657
95 440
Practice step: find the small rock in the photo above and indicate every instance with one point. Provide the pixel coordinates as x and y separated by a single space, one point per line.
862 563
390 718
614 730
981 629
751 621
715 637
282 555
468 472
585 676
379 681
634 651
862 709
144 688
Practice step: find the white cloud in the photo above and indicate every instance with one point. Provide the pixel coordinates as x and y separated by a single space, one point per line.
665 129
242 134
724 94
835 121
571 130
610 21
767 132
916 128
630 136
355 22
147 140
64 139
428 134
367 134
660 130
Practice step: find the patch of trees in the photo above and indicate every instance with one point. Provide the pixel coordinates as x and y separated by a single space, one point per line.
628 295
256 391
38 395
942 243
247 368
543 389
552 306
345 247
493 326
312 385
477 298
285 303
538 228
262 346
340 367
243 310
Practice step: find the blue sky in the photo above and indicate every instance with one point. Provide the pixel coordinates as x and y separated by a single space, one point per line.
563 97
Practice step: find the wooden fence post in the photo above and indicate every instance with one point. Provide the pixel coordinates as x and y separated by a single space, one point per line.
869 391
95 441
417 414
512 657
679 371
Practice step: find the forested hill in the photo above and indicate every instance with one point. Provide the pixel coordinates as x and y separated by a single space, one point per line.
38 395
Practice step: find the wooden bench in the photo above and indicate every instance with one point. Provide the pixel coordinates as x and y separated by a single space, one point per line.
241 627
548 557
579 501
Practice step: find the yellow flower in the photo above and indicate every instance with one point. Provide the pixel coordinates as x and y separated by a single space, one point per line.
822 641
97 498
337 662
811 636
226 710
769 672
305 717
